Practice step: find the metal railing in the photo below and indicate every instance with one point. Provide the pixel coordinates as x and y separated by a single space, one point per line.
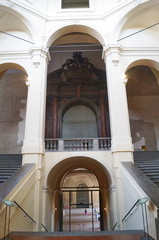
115 225
25 213
128 213
77 144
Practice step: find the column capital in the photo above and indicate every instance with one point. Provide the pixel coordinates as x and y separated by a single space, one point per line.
39 52
114 51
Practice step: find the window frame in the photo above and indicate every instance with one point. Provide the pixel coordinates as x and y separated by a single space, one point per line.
75 7
65 10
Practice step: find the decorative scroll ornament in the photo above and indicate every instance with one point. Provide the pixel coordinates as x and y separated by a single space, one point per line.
78 69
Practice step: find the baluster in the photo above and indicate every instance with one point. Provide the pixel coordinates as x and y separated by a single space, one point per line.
91 144
51 144
65 144
77 144
109 143
88 144
80 144
69 144
83 143
56 145
100 144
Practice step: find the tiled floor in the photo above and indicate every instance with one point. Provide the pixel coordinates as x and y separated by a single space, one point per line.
78 220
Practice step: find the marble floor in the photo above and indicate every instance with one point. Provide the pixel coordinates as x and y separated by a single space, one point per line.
79 220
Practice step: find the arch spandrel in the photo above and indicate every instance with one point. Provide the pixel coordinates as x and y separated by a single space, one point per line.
53 36
19 26
145 12
57 173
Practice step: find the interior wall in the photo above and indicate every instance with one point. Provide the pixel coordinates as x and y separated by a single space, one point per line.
13 96
132 192
143 103
77 177
56 171
79 121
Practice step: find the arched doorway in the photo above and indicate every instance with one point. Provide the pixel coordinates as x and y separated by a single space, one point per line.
76 80
65 181
80 201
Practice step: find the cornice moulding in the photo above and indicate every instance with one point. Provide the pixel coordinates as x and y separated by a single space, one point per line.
15 54
140 51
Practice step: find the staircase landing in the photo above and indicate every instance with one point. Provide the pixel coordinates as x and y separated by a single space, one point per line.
104 235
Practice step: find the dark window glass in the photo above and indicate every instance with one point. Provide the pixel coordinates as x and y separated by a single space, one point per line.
75 3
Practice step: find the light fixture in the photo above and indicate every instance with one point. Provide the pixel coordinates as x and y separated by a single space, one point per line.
8 204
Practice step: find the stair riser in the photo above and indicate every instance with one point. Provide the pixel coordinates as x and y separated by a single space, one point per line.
117 237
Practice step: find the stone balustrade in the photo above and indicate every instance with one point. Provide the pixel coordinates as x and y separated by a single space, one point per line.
77 144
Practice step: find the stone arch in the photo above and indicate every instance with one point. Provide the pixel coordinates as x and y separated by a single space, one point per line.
9 65
74 102
147 62
152 64
59 171
75 28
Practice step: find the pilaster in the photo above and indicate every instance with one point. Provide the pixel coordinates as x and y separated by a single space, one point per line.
36 101
119 117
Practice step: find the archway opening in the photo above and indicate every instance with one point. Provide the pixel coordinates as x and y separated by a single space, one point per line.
76 82
80 201
79 122
143 102
13 98
78 190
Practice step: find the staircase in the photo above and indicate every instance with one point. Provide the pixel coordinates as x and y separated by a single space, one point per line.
9 164
104 235
148 163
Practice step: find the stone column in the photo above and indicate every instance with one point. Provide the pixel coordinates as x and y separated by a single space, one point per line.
36 102
118 109
122 147
33 145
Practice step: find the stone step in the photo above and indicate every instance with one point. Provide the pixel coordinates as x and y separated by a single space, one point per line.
9 164
148 163
104 235
8 169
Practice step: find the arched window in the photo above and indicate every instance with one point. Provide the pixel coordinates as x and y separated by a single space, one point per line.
79 122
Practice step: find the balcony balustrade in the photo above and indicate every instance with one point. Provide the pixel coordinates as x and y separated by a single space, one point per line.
77 144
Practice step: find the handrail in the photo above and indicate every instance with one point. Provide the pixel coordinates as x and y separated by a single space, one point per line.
44 227
130 210
114 226
24 212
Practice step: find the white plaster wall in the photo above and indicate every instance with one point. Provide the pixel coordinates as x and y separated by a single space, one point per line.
145 109
131 193
23 193
53 158
13 94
